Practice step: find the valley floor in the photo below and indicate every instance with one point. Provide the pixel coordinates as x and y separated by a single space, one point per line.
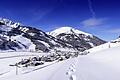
100 65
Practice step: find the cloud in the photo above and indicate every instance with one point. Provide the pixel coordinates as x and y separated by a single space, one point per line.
114 31
91 8
92 22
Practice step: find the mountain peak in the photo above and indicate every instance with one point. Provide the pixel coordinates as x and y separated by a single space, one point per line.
67 30
8 22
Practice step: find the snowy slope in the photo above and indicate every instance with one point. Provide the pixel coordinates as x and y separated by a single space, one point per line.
104 65
113 43
24 41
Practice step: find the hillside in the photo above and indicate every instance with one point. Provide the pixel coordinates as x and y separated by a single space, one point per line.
16 37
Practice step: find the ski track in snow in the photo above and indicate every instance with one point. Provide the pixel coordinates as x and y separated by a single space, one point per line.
71 71
4 73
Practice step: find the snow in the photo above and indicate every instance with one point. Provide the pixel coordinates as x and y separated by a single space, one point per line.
46 44
103 47
53 42
9 23
65 49
103 65
32 34
67 30
117 40
91 44
24 29
25 41
7 58
5 28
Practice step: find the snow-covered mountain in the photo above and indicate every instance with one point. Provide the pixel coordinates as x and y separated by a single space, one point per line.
67 30
76 38
14 36
9 23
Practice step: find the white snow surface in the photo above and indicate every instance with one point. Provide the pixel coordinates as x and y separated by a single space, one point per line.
25 41
46 44
103 65
117 40
67 30
103 47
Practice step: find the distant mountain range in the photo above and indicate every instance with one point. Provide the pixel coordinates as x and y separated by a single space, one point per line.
16 37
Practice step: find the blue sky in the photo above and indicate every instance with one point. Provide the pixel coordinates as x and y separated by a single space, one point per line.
102 20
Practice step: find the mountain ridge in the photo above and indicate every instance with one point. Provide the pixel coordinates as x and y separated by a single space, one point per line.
13 36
